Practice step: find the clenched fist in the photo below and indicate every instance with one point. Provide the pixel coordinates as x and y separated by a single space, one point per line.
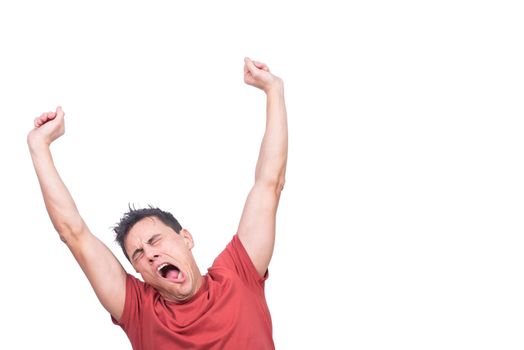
257 74
48 127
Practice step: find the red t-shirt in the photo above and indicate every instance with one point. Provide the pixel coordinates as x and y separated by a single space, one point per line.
229 311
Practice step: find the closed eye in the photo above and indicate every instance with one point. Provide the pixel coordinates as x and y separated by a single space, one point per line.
138 254
155 239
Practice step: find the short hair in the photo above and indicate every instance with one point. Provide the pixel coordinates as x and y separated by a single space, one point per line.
133 216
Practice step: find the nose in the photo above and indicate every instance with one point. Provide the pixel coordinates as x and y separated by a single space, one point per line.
151 255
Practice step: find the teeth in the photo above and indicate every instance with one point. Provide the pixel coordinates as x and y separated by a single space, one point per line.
161 266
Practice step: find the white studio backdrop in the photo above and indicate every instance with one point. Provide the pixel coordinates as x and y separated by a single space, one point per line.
401 224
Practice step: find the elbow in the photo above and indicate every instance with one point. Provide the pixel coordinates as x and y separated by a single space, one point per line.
281 182
69 231
271 177
274 183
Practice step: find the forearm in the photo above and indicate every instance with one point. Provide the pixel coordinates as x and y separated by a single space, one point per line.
58 201
271 165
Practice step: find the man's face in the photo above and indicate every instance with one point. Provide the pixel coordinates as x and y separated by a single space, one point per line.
163 258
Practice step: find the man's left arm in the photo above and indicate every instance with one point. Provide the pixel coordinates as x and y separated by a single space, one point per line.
256 230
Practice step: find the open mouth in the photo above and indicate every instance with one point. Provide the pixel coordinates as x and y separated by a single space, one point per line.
170 272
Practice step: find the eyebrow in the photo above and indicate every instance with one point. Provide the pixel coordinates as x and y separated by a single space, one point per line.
140 250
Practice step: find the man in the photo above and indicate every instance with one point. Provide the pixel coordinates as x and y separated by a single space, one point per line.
176 307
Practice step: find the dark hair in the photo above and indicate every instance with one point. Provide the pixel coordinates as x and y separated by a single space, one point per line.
135 215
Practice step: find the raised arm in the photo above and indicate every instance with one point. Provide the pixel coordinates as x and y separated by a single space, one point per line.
257 224
106 275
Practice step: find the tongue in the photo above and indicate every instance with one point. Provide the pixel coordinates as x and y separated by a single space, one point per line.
173 275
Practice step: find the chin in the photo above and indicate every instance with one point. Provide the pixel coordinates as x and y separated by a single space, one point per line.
182 293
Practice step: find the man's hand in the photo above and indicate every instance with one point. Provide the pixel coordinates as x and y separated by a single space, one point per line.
48 127
257 74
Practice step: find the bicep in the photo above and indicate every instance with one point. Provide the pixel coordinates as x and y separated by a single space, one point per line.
256 230
103 270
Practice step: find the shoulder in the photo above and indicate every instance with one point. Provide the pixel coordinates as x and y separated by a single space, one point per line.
136 301
235 260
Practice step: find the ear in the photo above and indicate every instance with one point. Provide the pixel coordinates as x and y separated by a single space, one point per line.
188 239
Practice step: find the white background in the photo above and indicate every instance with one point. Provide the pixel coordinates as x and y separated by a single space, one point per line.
401 224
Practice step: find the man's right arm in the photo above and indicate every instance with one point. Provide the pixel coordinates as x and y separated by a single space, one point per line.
104 271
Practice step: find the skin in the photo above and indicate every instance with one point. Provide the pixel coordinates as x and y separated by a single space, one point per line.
150 242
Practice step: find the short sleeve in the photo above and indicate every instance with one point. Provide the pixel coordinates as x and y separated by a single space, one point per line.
135 290
235 258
